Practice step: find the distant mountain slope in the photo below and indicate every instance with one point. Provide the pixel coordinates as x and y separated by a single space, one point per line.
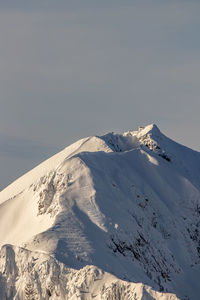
126 204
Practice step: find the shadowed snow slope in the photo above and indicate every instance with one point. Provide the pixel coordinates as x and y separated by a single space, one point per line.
121 204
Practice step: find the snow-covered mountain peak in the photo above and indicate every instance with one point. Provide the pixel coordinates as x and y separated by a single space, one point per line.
144 133
128 204
111 142
151 129
131 139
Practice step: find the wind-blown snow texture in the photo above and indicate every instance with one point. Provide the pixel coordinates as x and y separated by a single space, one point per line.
110 217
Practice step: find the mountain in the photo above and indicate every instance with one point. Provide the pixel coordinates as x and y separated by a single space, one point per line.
110 217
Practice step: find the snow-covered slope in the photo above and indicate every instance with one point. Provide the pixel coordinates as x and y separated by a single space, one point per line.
109 217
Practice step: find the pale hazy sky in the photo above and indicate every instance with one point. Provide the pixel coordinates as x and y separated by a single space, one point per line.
69 69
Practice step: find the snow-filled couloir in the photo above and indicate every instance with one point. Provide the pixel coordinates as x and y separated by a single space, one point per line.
121 204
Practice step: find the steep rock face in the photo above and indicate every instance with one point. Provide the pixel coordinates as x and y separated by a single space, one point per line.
127 204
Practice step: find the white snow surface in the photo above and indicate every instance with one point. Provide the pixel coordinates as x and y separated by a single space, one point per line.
109 217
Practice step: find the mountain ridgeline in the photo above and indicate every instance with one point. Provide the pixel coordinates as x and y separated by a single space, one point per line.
113 217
